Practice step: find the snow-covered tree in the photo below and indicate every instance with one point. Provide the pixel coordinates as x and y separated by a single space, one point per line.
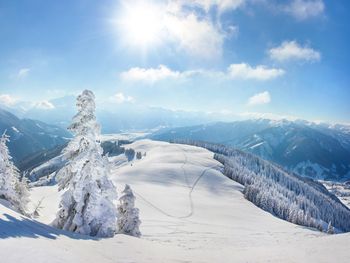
128 215
87 205
12 188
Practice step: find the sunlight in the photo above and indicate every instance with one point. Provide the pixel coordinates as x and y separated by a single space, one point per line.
140 24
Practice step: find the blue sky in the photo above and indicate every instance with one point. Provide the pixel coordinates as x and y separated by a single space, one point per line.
240 57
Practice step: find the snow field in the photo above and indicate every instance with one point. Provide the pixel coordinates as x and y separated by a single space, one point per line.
190 212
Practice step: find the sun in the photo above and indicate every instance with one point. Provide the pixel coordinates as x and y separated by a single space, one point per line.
140 24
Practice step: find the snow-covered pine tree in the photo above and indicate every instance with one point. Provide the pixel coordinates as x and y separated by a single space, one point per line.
12 188
128 215
87 205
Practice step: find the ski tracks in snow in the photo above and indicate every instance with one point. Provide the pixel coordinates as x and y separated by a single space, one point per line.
191 187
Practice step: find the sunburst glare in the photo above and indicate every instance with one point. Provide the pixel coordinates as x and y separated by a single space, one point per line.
140 24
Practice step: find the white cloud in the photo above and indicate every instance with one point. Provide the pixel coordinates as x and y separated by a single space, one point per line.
198 37
177 23
7 100
198 33
121 98
150 74
23 72
260 98
234 71
221 5
260 72
304 9
44 105
291 50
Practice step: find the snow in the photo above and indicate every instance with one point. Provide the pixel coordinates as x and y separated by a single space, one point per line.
15 129
190 212
47 168
129 136
256 145
87 206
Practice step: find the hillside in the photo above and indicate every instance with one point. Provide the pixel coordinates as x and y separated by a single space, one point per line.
29 136
190 212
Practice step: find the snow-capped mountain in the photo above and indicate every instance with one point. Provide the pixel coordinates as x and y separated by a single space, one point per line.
138 117
28 136
313 150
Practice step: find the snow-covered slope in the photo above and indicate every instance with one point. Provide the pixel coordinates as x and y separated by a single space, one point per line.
190 212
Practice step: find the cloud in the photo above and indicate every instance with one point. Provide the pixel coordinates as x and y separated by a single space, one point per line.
291 50
260 72
7 100
23 72
44 105
234 71
150 74
185 26
260 98
304 9
121 98
198 37
221 5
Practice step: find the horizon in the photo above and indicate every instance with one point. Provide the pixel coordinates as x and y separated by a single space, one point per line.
21 108
245 59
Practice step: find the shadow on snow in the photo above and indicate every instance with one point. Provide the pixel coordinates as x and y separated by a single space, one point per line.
11 227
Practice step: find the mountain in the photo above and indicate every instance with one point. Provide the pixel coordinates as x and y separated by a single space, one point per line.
61 113
115 117
28 136
190 212
317 151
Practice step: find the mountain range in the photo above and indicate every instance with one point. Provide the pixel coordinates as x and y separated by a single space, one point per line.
318 151
114 117
29 136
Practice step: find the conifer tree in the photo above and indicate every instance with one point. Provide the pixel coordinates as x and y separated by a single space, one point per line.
128 215
87 205
12 188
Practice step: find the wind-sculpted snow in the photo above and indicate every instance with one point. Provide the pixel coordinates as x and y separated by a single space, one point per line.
280 193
